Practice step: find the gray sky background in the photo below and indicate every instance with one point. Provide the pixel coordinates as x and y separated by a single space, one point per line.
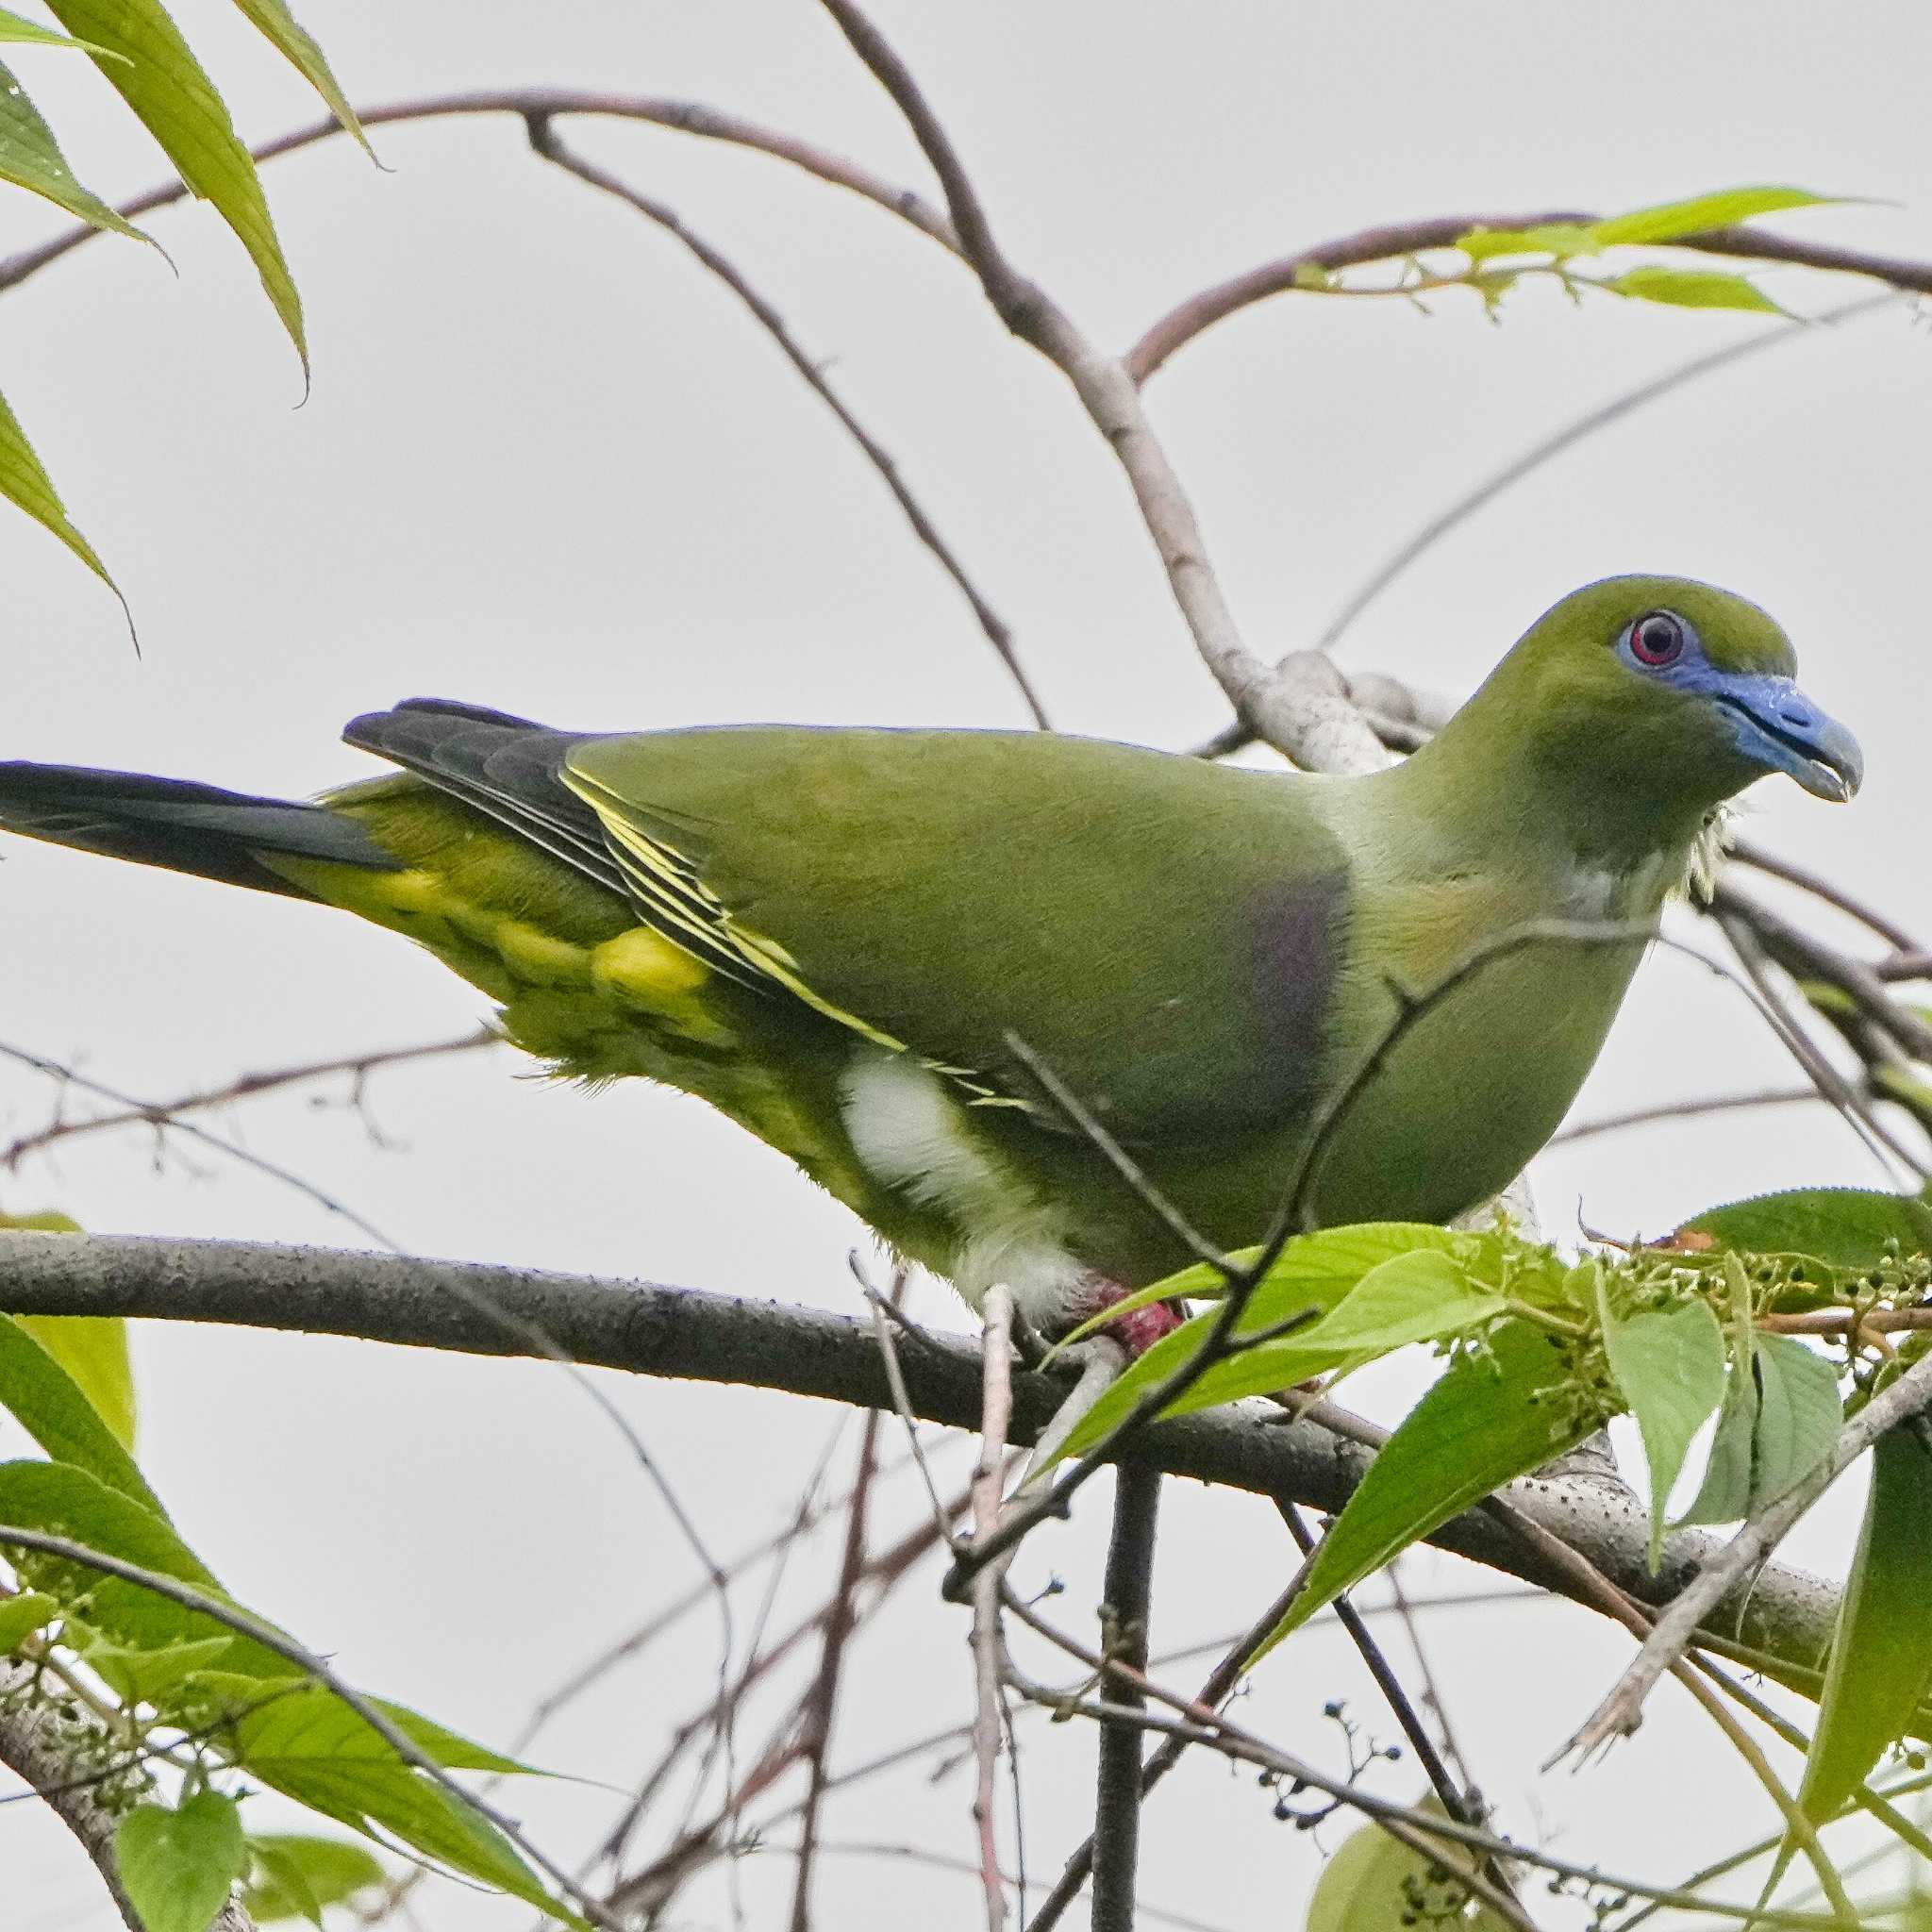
548 465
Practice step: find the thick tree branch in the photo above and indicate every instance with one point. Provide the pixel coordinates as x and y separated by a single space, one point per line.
653 1330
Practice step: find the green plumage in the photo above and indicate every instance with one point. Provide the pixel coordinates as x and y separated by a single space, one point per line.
834 936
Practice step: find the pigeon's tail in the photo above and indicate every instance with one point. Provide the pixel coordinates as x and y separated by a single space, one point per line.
180 826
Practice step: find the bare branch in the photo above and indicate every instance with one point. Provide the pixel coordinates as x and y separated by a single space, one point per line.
547 143
685 1333
1688 1109
684 117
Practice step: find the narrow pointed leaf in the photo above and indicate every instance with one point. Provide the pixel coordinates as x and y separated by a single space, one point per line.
1490 1419
1881 1658
299 47
1670 219
25 483
31 33
55 1410
298 1874
91 1348
1562 240
161 80
1724 1494
178 1867
1669 1368
1693 288
30 158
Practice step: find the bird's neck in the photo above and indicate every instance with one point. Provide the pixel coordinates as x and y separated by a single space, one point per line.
1504 773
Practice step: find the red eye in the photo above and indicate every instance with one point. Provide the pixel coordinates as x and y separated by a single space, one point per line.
1656 639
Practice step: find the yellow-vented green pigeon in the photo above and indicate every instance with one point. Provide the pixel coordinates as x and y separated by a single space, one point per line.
833 935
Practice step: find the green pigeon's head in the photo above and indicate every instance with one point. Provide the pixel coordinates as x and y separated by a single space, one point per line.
1668 692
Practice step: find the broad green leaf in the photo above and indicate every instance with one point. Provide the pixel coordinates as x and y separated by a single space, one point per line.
1562 240
382 1801
1693 288
1493 1416
298 1876
311 1723
161 80
30 158
25 483
1312 1270
66 1500
1670 219
1843 1227
281 26
20 1615
1799 1416
1373 1882
53 1408
1669 1366
13 27
152 1676
178 1867
1780 1417
1881 1658
1422 1291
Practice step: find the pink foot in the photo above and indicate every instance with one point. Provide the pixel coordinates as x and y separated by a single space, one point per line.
1138 1329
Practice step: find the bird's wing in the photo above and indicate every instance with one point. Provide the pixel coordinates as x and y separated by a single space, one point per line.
1166 935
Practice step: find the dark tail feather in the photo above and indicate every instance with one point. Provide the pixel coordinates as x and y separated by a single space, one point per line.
507 768
177 824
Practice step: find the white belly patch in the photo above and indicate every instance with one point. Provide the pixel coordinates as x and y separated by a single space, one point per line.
911 1134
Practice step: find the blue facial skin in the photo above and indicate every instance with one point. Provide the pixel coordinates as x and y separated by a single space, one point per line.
1770 722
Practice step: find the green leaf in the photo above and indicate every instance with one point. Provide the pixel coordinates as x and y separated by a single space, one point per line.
1670 219
1416 1294
67 1501
1373 1882
1881 1658
1495 1415
1669 1366
50 1404
91 1348
25 483
178 1867
20 1615
1312 1270
13 27
297 1875
30 158
1692 288
308 1722
152 1675
1843 1227
1780 1418
281 26
161 80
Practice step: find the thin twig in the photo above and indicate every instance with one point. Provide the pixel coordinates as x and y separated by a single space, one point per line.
1126 1607
1748 852
822 1703
1288 273
546 140
1687 1110
165 1113
996 1411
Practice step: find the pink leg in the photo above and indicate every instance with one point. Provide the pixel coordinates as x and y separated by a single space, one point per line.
1138 1329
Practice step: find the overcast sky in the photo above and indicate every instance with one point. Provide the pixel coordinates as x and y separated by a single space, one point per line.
547 465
